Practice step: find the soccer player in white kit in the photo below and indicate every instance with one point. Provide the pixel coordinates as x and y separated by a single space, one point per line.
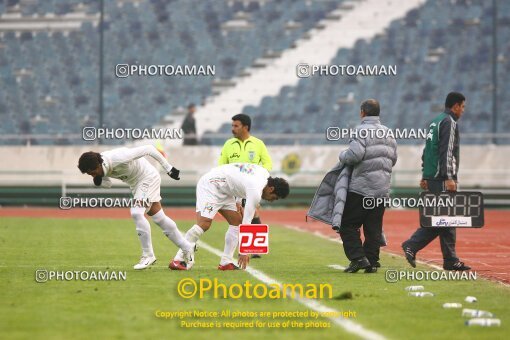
130 166
216 192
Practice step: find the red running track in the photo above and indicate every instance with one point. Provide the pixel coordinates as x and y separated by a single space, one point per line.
486 250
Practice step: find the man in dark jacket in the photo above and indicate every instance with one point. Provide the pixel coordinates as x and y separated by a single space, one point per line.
440 164
372 157
188 127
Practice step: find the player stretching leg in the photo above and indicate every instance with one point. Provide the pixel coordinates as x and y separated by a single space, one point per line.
130 166
216 192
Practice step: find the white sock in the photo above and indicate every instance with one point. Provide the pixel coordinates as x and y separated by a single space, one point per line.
192 236
170 230
143 229
231 240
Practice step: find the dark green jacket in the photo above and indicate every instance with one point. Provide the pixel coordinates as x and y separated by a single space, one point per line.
440 159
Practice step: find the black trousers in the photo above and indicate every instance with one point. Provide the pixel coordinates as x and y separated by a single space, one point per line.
447 236
353 218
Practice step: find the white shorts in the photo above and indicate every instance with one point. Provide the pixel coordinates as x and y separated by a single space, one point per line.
148 188
210 198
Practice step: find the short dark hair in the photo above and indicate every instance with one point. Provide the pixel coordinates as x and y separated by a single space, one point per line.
89 161
191 105
281 186
453 98
370 107
244 119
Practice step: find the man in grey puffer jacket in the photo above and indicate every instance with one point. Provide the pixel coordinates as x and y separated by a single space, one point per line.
372 155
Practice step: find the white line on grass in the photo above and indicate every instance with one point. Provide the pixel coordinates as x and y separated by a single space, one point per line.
336 266
325 237
426 263
348 325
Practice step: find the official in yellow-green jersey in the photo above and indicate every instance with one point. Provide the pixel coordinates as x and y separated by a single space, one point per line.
249 150
244 148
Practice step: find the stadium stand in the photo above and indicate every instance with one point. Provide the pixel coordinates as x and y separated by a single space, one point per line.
438 48
50 57
54 82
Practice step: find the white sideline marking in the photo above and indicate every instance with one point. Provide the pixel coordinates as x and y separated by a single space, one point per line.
346 324
336 266
320 235
316 233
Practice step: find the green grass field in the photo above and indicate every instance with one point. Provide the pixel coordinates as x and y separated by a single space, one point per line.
126 309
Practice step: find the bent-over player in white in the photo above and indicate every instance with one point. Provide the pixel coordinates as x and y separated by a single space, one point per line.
216 192
130 166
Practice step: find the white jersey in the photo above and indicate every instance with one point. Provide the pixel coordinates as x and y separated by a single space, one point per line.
242 180
129 166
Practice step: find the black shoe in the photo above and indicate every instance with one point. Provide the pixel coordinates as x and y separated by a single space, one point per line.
255 256
371 269
356 265
410 255
460 266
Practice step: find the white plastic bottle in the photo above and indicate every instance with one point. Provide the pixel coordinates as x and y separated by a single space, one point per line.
475 313
483 322
421 294
452 305
470 299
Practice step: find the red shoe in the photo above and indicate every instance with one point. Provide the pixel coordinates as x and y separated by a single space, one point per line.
178 265
229 266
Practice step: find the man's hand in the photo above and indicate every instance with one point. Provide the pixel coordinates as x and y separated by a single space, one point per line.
98 180
450 185
174 174
424 185
243 261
